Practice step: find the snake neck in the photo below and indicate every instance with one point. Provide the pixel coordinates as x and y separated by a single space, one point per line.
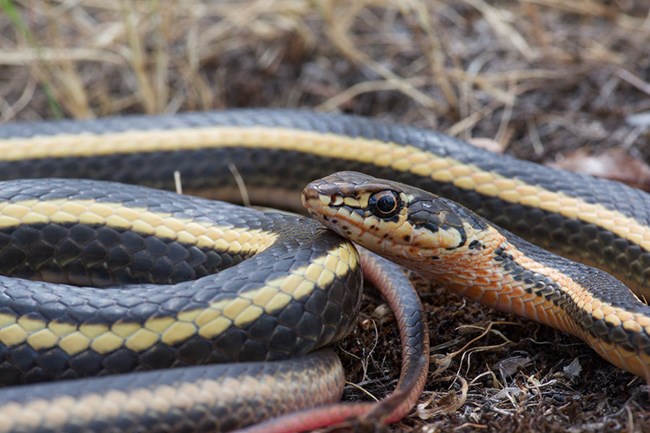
505 272
491 269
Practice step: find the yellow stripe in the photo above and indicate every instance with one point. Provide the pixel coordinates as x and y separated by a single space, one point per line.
236 240
385 154
581 297
80 410
207 322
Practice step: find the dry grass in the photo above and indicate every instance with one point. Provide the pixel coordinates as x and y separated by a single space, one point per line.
541 77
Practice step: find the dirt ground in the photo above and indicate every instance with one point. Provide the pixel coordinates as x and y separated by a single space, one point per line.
540 79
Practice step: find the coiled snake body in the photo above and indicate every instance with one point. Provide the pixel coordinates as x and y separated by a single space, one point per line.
277 299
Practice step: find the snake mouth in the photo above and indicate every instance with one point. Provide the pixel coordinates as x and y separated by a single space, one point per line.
320 204
325 200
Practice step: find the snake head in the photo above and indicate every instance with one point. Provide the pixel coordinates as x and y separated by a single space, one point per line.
395 220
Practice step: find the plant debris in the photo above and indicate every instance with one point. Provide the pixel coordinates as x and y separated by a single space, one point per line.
614 164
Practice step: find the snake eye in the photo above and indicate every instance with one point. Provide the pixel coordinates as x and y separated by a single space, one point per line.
385 204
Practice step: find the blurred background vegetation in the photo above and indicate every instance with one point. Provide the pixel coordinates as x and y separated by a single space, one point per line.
536 75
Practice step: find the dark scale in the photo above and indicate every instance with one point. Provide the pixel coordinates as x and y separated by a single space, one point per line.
441 214
600 283
83 255
81 252
534 282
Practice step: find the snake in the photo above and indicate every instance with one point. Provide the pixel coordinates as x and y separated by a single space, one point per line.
451 245
275 153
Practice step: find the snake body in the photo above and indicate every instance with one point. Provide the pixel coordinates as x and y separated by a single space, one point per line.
286 287
451 245
276 152
166 252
